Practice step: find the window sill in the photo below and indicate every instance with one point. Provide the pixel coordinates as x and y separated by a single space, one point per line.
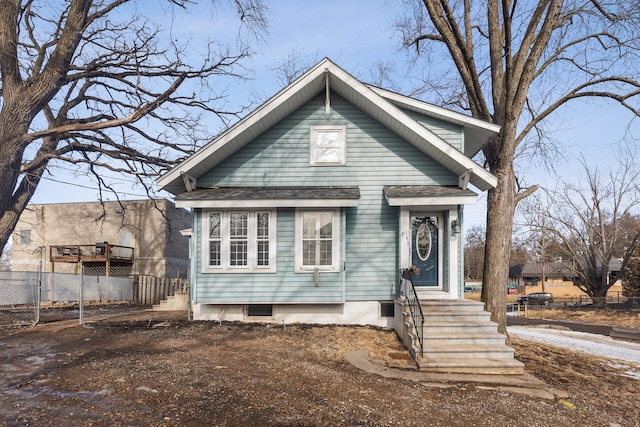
237 270
320 270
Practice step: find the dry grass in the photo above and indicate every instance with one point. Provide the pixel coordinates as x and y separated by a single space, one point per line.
586 314
601 316
475 296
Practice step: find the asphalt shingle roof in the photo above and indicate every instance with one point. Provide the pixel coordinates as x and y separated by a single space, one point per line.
271 193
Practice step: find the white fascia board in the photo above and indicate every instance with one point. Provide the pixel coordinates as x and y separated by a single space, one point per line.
432 201
436 111
268 203
276 101
480 177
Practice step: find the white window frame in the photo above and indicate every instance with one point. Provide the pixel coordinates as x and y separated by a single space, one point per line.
252 242
335 241
342 145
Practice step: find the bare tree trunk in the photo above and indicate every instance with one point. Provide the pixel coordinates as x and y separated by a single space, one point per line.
501 204
13 203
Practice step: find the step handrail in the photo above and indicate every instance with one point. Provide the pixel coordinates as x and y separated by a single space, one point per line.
415 308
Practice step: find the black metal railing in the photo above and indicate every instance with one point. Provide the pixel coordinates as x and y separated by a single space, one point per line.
408 290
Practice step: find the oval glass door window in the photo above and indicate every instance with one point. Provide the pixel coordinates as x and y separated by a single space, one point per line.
423 242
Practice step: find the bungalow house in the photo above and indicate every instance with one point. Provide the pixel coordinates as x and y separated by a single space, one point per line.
559 279
308 208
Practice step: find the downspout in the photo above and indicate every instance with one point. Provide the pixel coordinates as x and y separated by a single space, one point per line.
343 249
194 240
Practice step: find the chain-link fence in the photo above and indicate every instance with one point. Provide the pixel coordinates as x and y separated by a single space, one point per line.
20 297
615 300
107 295
28 295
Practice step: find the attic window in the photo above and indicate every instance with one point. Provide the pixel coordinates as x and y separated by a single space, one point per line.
328 145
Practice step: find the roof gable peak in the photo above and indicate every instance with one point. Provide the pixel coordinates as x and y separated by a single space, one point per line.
322 76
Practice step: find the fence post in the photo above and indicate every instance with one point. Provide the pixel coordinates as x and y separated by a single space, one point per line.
149 294
80 298
39 287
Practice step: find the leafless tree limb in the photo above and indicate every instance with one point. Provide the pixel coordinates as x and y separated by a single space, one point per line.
526 61
92 83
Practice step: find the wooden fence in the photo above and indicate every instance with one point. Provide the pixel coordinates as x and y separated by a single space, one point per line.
148 290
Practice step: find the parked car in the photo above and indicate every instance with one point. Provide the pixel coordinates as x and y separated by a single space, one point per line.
536 298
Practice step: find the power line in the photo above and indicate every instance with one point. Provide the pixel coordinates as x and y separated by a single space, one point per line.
91 188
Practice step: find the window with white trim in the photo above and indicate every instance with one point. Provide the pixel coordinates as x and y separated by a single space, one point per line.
328 146
239 240
318 240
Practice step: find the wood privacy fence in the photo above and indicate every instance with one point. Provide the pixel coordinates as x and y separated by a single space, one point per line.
148 290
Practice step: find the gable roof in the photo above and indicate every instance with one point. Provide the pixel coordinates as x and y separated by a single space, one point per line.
534 270
477 132
365 97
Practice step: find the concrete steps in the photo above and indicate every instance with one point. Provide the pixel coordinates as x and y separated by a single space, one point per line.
484 366
178 301
459 337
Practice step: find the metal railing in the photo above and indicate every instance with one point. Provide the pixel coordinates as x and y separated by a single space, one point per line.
408 290
100 252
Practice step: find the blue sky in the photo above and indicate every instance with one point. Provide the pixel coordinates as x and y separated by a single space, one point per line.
354 34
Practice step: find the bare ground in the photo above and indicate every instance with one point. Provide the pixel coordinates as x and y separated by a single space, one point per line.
169 372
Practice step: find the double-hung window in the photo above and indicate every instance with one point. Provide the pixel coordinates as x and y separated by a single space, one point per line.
239 241
328 146
317 240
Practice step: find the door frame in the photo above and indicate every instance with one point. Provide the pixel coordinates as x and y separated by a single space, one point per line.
406 241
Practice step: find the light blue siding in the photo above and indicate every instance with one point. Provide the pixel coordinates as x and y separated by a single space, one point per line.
449 132
375 157
282 286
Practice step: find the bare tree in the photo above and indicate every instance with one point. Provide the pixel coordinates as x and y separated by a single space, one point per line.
521 251
594 223
295 65
515 64
95 85
474 252
630 276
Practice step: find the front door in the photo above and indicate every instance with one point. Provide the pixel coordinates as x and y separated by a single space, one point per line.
424 249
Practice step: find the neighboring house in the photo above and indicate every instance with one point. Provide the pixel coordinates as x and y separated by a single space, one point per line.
558 279
307 209
150 227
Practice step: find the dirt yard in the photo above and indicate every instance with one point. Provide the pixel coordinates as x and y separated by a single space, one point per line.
164 371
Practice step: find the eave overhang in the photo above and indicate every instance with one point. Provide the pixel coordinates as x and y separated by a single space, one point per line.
270 197
477 132
428 195
297 94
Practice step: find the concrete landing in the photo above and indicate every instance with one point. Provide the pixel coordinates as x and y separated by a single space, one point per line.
522 383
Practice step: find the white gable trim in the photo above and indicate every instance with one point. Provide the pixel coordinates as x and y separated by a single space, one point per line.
277 107
438 112
295 95
410 130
